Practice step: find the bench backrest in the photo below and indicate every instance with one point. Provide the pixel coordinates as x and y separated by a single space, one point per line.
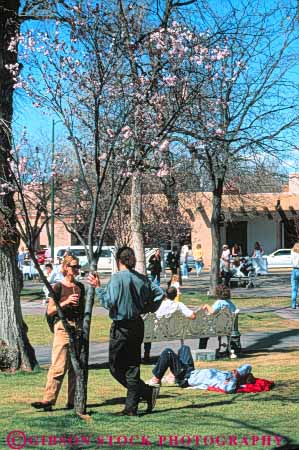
177 326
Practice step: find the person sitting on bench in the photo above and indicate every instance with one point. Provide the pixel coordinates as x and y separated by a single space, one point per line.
182 366
224 301
166 309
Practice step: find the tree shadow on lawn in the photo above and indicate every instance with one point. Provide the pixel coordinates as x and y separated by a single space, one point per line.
266 342
245 353
231 423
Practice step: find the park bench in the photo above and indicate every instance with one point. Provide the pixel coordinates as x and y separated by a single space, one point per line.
179 327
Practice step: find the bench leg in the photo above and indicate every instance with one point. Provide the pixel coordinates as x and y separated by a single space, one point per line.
229 349
219 343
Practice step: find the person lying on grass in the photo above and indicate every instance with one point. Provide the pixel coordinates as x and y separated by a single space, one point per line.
182 366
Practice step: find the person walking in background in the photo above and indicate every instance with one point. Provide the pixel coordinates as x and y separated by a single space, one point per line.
72 301
225 264
21 258
258 250
173 260
295 274
236 251
155 267
50 274
259 263
198 258
225 255
125 296
184 261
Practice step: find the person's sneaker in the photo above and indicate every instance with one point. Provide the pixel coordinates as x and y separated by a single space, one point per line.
153 400
46 406
154 381
169 379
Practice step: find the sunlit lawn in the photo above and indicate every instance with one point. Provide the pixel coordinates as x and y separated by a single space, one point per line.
178 412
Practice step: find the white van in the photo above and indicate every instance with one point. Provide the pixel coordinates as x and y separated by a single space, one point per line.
105 262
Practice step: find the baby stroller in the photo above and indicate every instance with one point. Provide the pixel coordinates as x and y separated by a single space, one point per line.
248 270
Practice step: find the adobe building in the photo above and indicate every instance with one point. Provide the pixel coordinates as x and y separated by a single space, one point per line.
270 218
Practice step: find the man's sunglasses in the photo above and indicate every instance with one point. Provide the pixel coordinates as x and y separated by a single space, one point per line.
77 266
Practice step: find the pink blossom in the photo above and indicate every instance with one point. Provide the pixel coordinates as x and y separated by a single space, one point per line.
164 172
164 146
22 165
127 132
219 132
110 133
170 81
102 157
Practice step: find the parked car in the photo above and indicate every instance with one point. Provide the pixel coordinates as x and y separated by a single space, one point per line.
105 262
279 258
76 250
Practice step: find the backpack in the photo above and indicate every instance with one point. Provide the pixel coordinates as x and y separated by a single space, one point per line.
51 320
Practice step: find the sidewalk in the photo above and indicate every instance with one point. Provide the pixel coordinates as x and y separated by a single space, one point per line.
271 341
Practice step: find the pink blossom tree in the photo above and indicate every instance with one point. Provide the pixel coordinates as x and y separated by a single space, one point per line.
114 79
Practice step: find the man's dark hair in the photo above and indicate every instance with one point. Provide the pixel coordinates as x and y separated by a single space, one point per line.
171 293
126 256
49 265
222 292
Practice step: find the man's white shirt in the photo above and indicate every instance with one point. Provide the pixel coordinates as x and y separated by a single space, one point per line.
168 307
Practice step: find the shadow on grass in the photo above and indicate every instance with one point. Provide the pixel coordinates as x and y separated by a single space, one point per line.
105 365
267 342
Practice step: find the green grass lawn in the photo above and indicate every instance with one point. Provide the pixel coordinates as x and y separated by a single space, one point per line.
179 412
31 294
39 333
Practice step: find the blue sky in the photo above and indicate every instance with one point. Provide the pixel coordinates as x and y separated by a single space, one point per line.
39 124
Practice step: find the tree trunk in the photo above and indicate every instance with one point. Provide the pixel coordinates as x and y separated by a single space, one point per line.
136 223
216 240
82 370
15 349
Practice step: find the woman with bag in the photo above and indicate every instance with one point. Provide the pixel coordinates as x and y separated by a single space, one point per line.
71 301
128 295
155 267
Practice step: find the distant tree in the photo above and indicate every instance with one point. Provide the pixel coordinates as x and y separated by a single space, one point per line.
248 109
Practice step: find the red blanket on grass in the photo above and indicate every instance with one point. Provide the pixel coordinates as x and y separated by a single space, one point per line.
260 385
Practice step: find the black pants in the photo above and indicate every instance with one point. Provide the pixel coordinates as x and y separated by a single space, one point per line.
126 337
181 365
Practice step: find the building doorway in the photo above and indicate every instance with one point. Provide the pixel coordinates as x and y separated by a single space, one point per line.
236 233
290 232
